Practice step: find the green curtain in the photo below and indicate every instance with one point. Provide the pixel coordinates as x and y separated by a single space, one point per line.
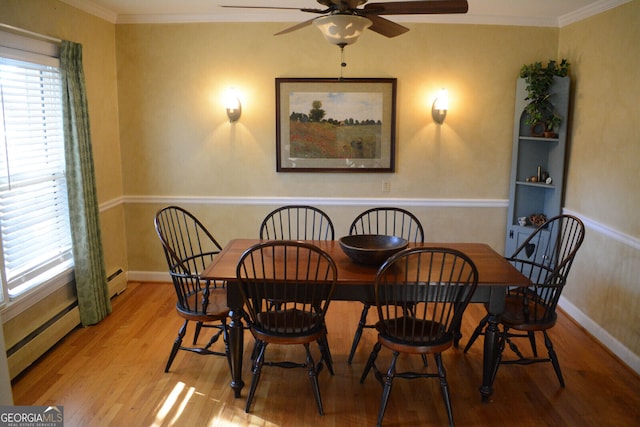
90 277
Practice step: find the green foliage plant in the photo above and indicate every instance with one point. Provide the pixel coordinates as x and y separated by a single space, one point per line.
539 79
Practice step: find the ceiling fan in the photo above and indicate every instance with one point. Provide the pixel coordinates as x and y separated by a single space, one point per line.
343 21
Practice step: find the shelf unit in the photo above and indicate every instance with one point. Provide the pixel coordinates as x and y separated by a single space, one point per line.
530 153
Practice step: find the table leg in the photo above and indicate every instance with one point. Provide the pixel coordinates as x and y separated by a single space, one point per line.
489 357
491 336
236 348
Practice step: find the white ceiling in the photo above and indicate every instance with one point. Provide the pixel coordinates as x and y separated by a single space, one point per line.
554 13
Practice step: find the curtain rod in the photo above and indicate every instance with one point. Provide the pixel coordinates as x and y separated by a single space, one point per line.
29 33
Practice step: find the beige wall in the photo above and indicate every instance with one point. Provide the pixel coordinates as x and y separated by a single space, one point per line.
603 172
161 135
177 141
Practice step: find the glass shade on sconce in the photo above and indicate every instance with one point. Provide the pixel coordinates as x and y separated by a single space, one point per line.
440 106
233 105
342 29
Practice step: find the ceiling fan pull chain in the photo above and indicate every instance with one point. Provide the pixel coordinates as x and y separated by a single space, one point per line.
342 63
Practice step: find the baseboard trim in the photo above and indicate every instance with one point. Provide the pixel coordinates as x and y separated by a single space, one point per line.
605 338
148 276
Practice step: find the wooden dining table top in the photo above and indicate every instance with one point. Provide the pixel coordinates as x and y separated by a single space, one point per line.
493 268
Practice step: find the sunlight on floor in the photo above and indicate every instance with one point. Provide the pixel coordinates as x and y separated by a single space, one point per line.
174 405
170 402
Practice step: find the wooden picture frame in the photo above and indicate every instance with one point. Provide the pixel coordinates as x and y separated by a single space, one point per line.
335 125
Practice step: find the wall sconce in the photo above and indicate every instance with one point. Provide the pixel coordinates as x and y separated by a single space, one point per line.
232 104
440 106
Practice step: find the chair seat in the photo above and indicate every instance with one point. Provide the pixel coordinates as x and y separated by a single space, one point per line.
216 308
529 316
411 330
415 336
290 322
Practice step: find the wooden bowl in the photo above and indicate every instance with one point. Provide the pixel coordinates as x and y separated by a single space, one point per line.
371 249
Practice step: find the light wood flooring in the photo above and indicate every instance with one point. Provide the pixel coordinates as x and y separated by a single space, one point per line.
112 374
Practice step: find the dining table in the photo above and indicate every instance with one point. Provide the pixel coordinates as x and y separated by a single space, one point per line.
355 283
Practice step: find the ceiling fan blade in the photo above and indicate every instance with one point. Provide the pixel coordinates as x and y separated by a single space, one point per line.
295 27
385 27
277 8
426 7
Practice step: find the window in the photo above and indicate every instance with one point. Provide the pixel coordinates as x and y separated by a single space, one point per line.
34 213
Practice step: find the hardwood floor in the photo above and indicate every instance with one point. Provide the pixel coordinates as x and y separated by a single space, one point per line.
112 374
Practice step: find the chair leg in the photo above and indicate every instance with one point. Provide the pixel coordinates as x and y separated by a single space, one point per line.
176 345
444 387
358 334
386 392
254 351
313 376
225 339
532 340
457 332
257 370
323 343
501 344
370 361
477 333
553 357
196 334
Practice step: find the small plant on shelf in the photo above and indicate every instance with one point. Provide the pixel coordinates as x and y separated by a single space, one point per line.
541 114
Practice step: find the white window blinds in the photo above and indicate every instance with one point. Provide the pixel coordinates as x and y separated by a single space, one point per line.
34 214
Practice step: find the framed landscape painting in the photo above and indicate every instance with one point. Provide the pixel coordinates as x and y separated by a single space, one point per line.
335 125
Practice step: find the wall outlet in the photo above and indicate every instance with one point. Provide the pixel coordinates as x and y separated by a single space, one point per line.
386 186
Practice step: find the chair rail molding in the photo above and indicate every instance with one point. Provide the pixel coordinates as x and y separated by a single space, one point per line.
608 231
324 201
619 236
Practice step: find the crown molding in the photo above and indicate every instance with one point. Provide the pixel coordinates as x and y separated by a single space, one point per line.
557 22
589 11
93 9
298 17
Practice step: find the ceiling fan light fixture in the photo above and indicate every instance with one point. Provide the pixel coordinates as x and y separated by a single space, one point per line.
342 29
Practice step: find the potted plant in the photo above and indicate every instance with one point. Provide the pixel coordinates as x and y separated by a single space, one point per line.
541 114
551 125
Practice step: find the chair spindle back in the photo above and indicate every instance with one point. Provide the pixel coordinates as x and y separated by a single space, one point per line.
388 221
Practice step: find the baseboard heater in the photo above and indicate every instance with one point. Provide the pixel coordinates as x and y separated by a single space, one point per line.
28 350
117 282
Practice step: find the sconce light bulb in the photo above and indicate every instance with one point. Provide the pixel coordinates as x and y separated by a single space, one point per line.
442 101
440 106
232 104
